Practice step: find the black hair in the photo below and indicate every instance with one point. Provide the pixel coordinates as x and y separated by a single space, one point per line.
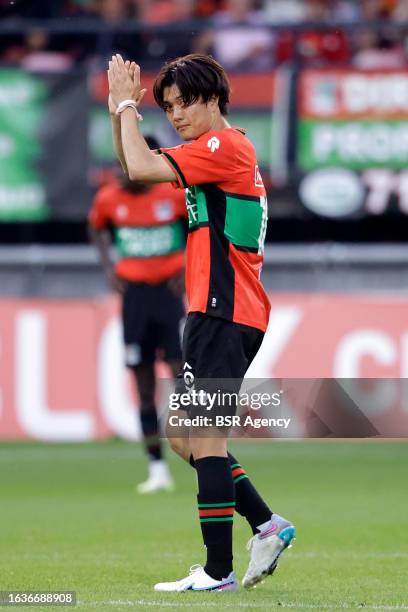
198 77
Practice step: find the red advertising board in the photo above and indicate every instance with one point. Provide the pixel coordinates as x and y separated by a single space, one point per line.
254 90
61 363
348 93
335 336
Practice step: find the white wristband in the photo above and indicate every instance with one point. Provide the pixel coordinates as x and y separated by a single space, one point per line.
129 104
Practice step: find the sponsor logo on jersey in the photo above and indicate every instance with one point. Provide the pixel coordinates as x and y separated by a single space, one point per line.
122 211
164 210
213 144
149 241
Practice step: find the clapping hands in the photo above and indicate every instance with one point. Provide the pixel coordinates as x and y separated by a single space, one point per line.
124 82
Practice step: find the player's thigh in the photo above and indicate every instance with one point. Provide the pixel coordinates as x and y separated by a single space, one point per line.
218 349
212 370
135 320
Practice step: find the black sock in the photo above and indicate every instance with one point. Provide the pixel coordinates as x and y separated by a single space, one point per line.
248 502
151 438
216 509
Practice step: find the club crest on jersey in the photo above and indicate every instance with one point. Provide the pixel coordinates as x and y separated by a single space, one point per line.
258 178
213 144
163 211
122 211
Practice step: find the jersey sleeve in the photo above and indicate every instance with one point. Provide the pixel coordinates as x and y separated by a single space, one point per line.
209 159
98 217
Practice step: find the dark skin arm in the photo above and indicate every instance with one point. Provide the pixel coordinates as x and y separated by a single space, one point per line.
102 241
177 284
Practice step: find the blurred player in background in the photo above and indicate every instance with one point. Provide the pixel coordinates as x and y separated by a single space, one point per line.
228 306
148 224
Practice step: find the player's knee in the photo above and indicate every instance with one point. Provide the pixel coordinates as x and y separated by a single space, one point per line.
174 365
207 446
180 446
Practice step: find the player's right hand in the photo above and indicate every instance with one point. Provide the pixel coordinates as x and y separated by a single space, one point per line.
112 106
134 72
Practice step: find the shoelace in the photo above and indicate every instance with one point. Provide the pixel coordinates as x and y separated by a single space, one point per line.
251 540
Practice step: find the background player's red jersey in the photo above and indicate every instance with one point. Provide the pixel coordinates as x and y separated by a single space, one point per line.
148 230
227 210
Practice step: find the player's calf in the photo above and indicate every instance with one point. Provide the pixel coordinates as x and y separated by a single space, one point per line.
178 436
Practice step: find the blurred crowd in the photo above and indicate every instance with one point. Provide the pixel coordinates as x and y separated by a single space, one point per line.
236 32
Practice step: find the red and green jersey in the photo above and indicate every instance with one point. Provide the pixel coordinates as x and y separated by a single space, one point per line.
227 213
148 230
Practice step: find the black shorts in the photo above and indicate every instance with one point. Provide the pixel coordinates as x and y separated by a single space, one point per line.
215 353
153 317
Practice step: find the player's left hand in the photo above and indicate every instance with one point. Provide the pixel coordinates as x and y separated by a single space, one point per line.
116 284
177 284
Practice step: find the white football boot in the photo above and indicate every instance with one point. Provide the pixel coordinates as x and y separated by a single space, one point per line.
159 478
198 580
266 548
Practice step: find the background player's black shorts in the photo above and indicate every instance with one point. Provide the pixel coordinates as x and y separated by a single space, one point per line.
216 352
153 317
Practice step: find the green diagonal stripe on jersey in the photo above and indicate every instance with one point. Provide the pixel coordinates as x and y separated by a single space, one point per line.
151 241
245 221
196 206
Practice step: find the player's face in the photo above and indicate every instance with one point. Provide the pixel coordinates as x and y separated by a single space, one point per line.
188 121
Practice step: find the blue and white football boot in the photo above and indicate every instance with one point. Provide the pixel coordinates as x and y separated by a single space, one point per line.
266 547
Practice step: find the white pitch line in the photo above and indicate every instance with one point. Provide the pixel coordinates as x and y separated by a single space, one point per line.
167 604
342 606
240 604
116 558
69 455
348 555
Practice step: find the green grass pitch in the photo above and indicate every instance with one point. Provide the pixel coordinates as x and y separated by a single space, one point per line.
70 519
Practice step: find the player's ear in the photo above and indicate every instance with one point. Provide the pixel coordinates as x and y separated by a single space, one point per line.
213 102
